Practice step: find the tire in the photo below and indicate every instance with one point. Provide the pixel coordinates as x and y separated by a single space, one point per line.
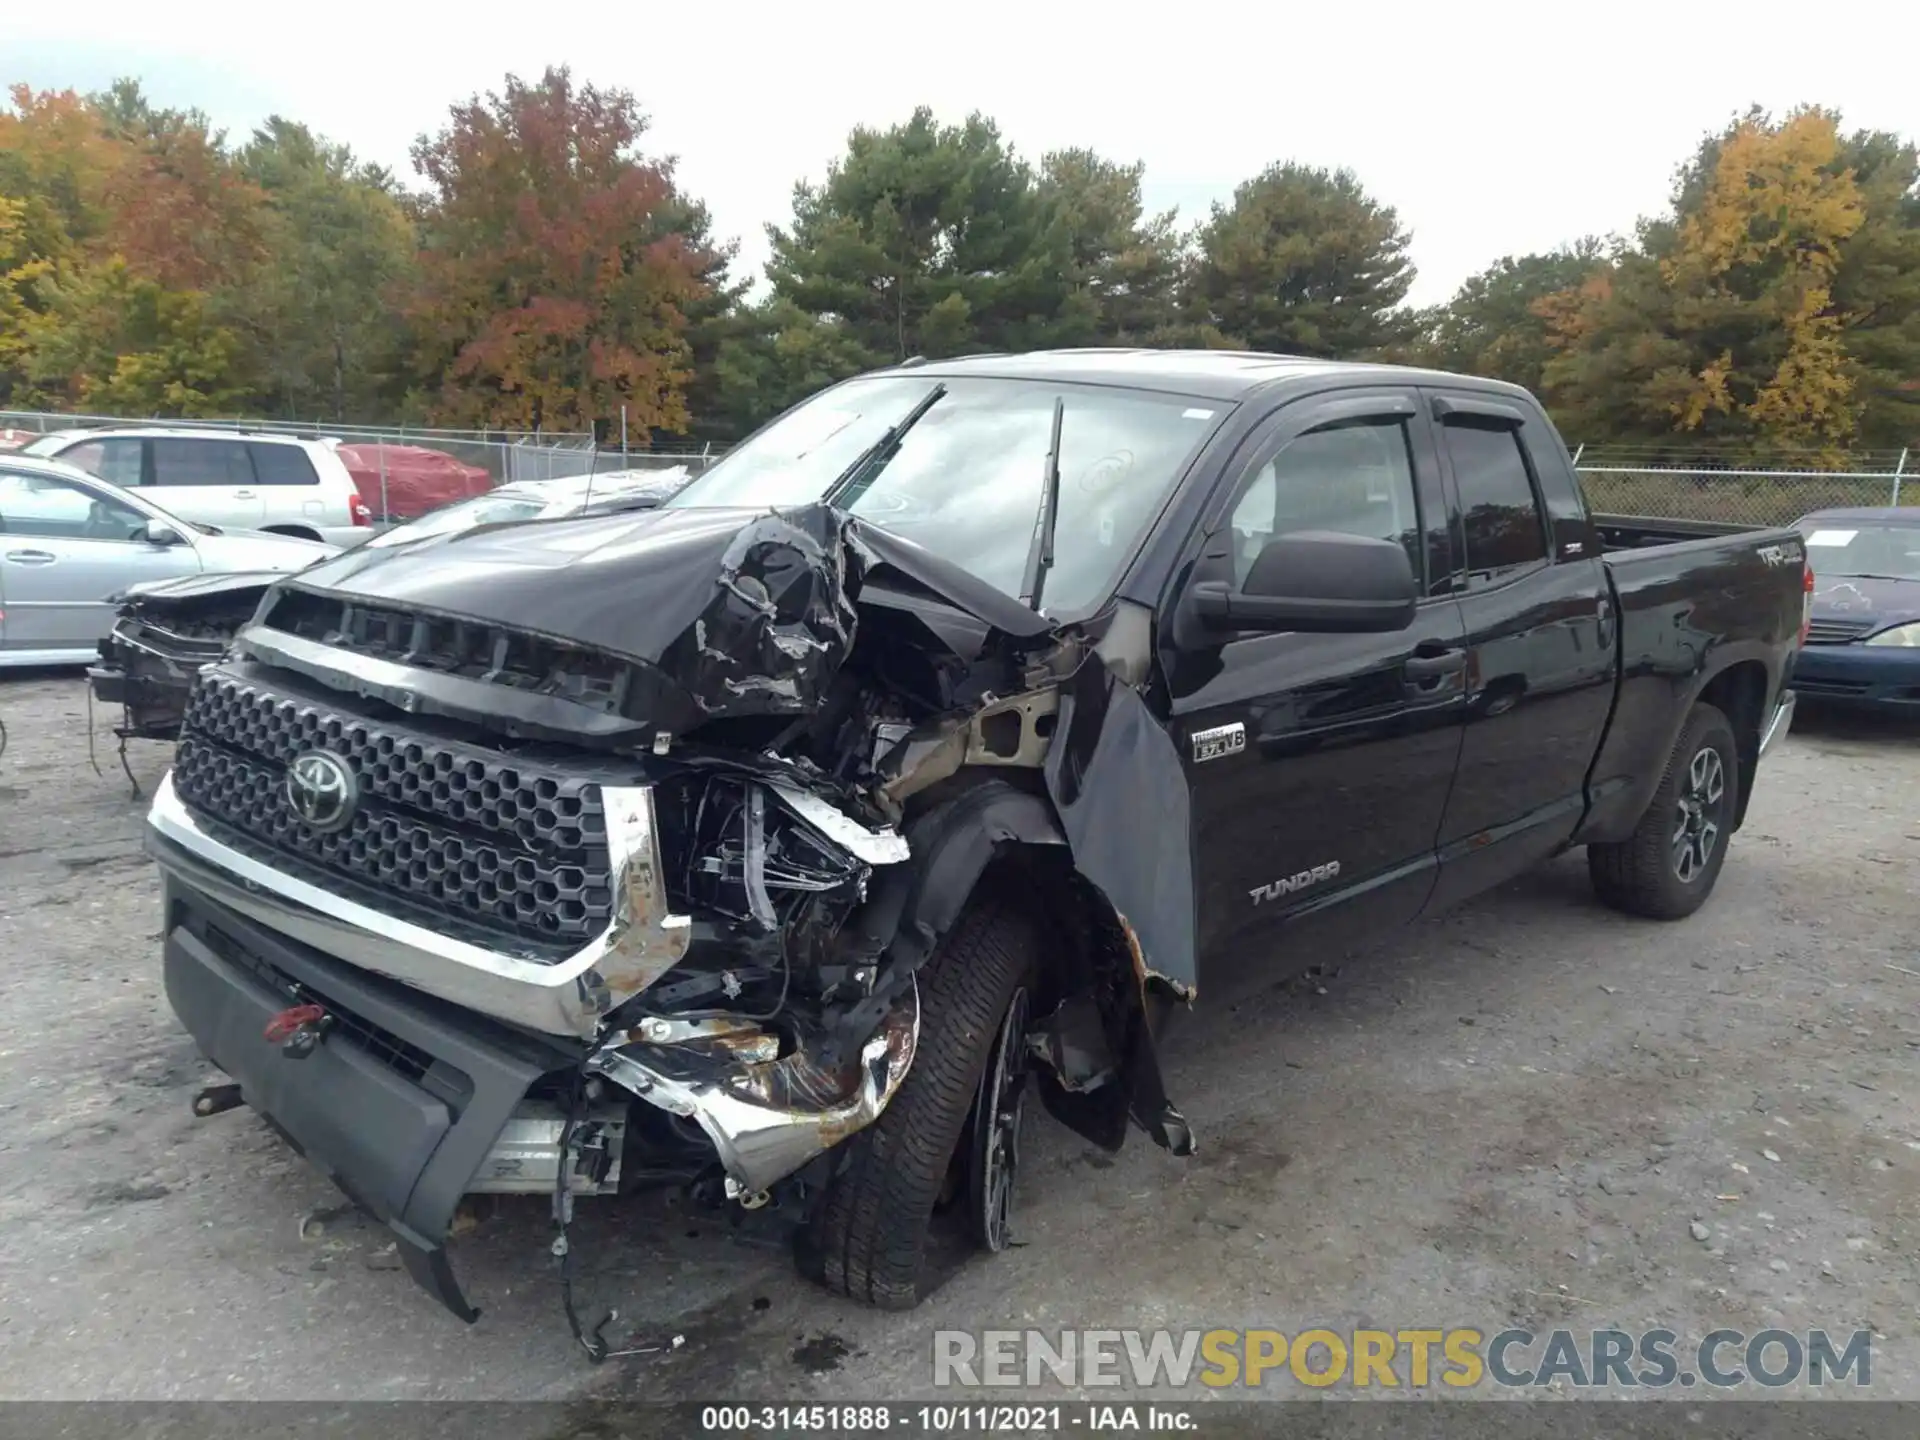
867 1236
1660 871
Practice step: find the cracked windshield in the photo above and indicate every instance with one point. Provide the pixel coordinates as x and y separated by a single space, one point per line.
966 482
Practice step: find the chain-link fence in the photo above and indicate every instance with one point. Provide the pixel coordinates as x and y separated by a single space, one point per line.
504 455
1716 488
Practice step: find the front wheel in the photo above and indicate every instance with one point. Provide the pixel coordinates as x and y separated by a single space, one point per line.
1666 869
867 1237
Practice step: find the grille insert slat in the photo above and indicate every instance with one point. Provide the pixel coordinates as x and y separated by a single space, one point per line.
477 651
1836 632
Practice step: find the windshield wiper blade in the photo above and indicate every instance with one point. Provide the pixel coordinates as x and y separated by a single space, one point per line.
1040 552
854 481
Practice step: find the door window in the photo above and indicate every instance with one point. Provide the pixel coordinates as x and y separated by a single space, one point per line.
201 462
115 461
282 464
1498 499
54 509
1354 478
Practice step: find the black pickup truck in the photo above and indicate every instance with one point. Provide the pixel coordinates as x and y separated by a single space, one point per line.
936 748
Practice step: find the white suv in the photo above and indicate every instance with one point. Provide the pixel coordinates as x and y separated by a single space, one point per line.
230 478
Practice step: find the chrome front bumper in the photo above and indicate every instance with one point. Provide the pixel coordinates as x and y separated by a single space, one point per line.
1781 722
767 1120
567 997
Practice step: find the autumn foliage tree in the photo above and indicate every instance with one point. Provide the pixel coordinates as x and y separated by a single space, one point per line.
552 271
1494 325
178 210
548 293
1763 217
1774 309
126 224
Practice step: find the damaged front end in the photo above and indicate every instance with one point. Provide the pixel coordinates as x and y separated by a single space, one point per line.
163 633
681 800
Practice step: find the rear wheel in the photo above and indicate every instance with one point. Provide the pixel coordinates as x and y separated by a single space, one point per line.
867 1237
1666 869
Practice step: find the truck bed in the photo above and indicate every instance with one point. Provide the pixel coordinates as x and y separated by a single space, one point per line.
1641 532
1687 602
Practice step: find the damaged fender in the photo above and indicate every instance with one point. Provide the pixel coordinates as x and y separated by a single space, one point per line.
1110 764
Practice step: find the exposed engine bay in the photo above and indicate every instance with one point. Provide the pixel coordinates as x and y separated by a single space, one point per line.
715 783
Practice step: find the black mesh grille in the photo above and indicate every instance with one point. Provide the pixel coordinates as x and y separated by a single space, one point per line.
444 834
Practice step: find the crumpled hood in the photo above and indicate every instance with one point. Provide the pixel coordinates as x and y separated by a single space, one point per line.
741 611
1858 600
197 587
628 584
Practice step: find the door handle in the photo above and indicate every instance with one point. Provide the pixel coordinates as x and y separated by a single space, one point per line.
1432 663
30 557
245 495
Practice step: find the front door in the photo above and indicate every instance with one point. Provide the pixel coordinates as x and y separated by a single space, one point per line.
1319 765
64 550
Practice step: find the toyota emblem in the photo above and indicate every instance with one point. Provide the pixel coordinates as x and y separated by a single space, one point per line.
322 791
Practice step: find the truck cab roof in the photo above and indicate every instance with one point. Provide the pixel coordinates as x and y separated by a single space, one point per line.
1221 375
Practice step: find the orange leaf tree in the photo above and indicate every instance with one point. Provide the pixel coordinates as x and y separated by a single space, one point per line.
1739 318
120 226
551 290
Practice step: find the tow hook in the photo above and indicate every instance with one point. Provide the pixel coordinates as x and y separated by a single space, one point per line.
217 1099
298 1029
747 1199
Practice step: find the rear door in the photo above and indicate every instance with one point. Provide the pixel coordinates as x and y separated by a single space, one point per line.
1319 765
1540 639
64 549
205 478
290 488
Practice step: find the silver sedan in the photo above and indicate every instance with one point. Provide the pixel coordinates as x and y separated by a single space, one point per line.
69 541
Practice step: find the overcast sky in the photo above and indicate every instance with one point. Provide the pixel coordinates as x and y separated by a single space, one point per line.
1493 129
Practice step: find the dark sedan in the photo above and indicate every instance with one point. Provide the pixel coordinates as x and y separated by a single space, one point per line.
1863 646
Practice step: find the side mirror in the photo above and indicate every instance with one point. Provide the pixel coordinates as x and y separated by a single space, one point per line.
159 532
1317 582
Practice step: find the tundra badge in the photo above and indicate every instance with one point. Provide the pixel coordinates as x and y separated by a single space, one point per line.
1291 883
1220 740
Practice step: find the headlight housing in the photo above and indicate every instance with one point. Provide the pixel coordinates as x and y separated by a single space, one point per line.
1907 635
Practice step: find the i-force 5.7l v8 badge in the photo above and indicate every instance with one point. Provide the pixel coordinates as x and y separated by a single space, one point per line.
1220 740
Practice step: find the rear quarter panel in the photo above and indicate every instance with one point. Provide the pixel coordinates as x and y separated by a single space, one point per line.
1689 613
337 491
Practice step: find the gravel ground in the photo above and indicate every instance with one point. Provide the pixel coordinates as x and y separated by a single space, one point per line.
1520 1113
